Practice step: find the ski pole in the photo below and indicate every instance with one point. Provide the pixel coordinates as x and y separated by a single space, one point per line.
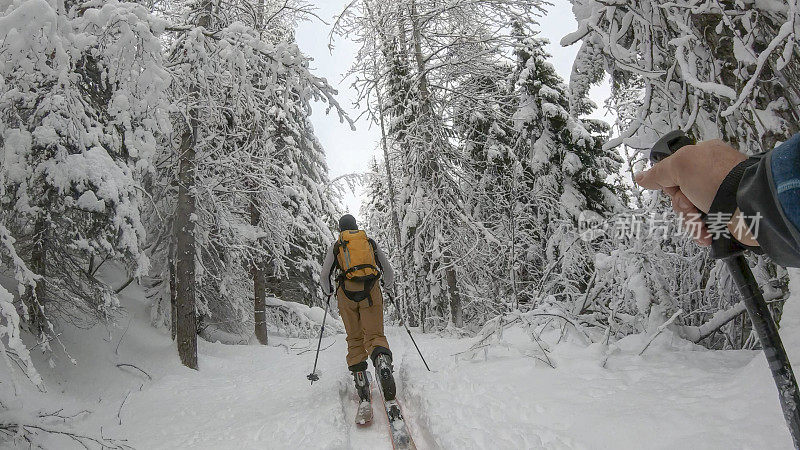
313 375
725 248
391 299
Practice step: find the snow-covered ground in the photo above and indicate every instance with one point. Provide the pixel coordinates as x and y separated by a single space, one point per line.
675 396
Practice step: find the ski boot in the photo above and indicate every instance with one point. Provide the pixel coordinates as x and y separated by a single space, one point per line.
383 370
364 412
362 385
362 382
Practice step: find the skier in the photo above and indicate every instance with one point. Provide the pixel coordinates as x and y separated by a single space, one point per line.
764 187
360 263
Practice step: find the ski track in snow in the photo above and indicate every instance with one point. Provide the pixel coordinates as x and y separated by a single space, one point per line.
372 436
253 397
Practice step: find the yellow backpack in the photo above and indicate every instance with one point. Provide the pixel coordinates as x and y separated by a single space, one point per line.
355 258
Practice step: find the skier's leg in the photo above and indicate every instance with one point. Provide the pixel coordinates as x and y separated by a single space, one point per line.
351 317
372 321
356 355
376 343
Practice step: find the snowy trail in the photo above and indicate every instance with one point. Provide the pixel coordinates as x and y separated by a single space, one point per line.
250 397
253 397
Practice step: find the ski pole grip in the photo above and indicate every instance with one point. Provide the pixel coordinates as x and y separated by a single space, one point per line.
669 144
722 245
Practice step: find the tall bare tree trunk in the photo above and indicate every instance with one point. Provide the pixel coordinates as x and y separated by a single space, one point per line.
430 169
259 285
392 201
186 319
456 312
259 279
512 219
422 311
36 297
185 216
173 293
422 85
421 77
402 52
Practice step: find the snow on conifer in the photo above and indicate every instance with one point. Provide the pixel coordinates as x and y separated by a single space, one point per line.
82 106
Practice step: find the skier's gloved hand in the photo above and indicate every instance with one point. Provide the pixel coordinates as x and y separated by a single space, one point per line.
691 177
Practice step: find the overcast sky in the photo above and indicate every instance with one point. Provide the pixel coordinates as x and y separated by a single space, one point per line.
351 151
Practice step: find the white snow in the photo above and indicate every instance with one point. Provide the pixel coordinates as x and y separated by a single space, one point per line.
89 202
677 395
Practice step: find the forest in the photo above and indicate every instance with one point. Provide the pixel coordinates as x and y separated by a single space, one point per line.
165 147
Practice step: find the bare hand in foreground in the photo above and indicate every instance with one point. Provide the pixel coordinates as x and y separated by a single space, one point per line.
691 177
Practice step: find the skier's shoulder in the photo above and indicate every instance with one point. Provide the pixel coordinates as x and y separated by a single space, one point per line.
375 246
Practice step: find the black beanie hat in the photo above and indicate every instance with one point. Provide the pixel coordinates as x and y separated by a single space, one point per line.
347 222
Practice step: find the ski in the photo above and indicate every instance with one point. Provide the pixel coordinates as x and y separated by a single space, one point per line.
401 438
364 412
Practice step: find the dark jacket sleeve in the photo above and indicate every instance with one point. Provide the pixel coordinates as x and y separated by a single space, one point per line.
762 198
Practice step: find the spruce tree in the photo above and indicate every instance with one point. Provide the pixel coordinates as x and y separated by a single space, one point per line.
565 173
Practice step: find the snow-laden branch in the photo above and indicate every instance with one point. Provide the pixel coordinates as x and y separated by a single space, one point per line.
717 321
660 329
732 59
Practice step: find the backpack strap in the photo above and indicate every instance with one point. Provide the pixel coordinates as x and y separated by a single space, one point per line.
359 267
336 246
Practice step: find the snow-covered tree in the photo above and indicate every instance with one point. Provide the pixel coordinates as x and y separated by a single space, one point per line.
82 98
483 152
564 173
242 185
724 70
312 203
81 107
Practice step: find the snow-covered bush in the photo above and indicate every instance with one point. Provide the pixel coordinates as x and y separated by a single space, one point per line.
293 319
12 349
637 273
